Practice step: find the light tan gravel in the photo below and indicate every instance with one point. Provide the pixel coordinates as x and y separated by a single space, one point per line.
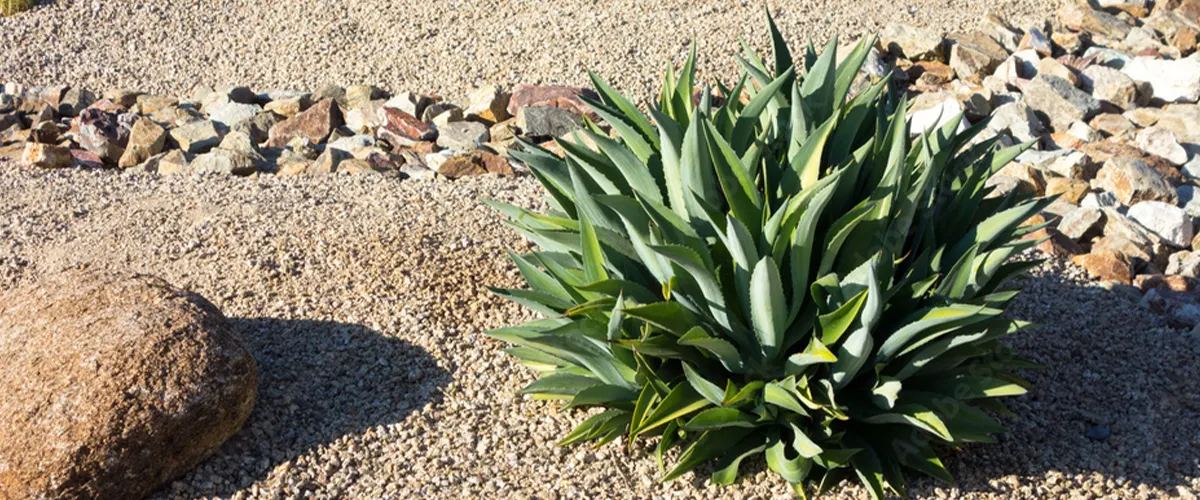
363 301
442 46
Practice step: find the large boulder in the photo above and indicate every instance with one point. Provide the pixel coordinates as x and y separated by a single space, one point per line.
112 384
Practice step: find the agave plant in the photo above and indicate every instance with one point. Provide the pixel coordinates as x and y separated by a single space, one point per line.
795 274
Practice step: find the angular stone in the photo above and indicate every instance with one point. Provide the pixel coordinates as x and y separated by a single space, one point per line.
1084 132
150 104
462 136
1114 125
47 156
1073 165
408 102
1169 222
1100 200
328 162
1082 224
488 103
1105 56
1184 263
75 100
1170 81
225 161
197 137
548 121
1051 67
336 93
1072 190
101 133
558 96
169 163
45 132
1183 120
315 123
258 127
1106 266
232 114
403 129
112 384
1017 120
460 166
1060 101
365 118
359 95
1161 141
974 55
289 106
1079 17
910 42
1037 41
1133 181
146 139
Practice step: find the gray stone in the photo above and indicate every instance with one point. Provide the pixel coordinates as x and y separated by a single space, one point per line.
196 137
1169 222
232 114
462 136
1060 101
1111 58
974 55
258 127
225 161
75 100
1184 263
549 121
1082 224
1189 199
169 163
1110 85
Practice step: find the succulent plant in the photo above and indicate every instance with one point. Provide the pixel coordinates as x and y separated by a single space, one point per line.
792 273
10 7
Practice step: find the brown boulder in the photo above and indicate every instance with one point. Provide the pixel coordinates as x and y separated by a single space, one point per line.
1106 266
112 384
47 156
315 123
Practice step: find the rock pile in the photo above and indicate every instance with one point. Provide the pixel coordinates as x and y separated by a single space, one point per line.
1109 94
354 130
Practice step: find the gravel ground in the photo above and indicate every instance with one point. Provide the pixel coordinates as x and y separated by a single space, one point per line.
440 46
363 301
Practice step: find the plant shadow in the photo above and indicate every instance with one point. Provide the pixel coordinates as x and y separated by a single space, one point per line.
318 381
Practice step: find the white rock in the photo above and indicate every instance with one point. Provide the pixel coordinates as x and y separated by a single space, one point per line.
1084 132
1189 199
1017 120
435 160
937 116
1162 142
1165 220
233 113
1170 81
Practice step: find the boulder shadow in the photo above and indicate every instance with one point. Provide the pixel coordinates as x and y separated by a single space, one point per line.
318 382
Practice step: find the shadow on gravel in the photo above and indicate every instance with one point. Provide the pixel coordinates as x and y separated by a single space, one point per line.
1118 401
318 381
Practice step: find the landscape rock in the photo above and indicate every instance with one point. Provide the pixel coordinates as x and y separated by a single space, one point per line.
917 44
1165 220
559 96
1072 190
258 127
1170 81
47 156
146 139
1018 121
1110 86
74 101
1184 263
169 163
1079 17
365 118
133 383
462 136
488 103
403 129
1183 120
1082 224
408 102
1133 181
1114 125
315 123
102 133
232 114
974 55
1161 141
1106 266
196 138
224 161
548 121
327 162
289 106
1059 101
359 95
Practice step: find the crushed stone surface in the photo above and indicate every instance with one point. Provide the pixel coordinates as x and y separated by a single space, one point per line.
364 302
441 46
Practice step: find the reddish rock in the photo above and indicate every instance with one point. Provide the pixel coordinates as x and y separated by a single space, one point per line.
315 123
1106 266
101 133
494 163
112 384
930 73
86 158
1147 282
559 96
403 129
